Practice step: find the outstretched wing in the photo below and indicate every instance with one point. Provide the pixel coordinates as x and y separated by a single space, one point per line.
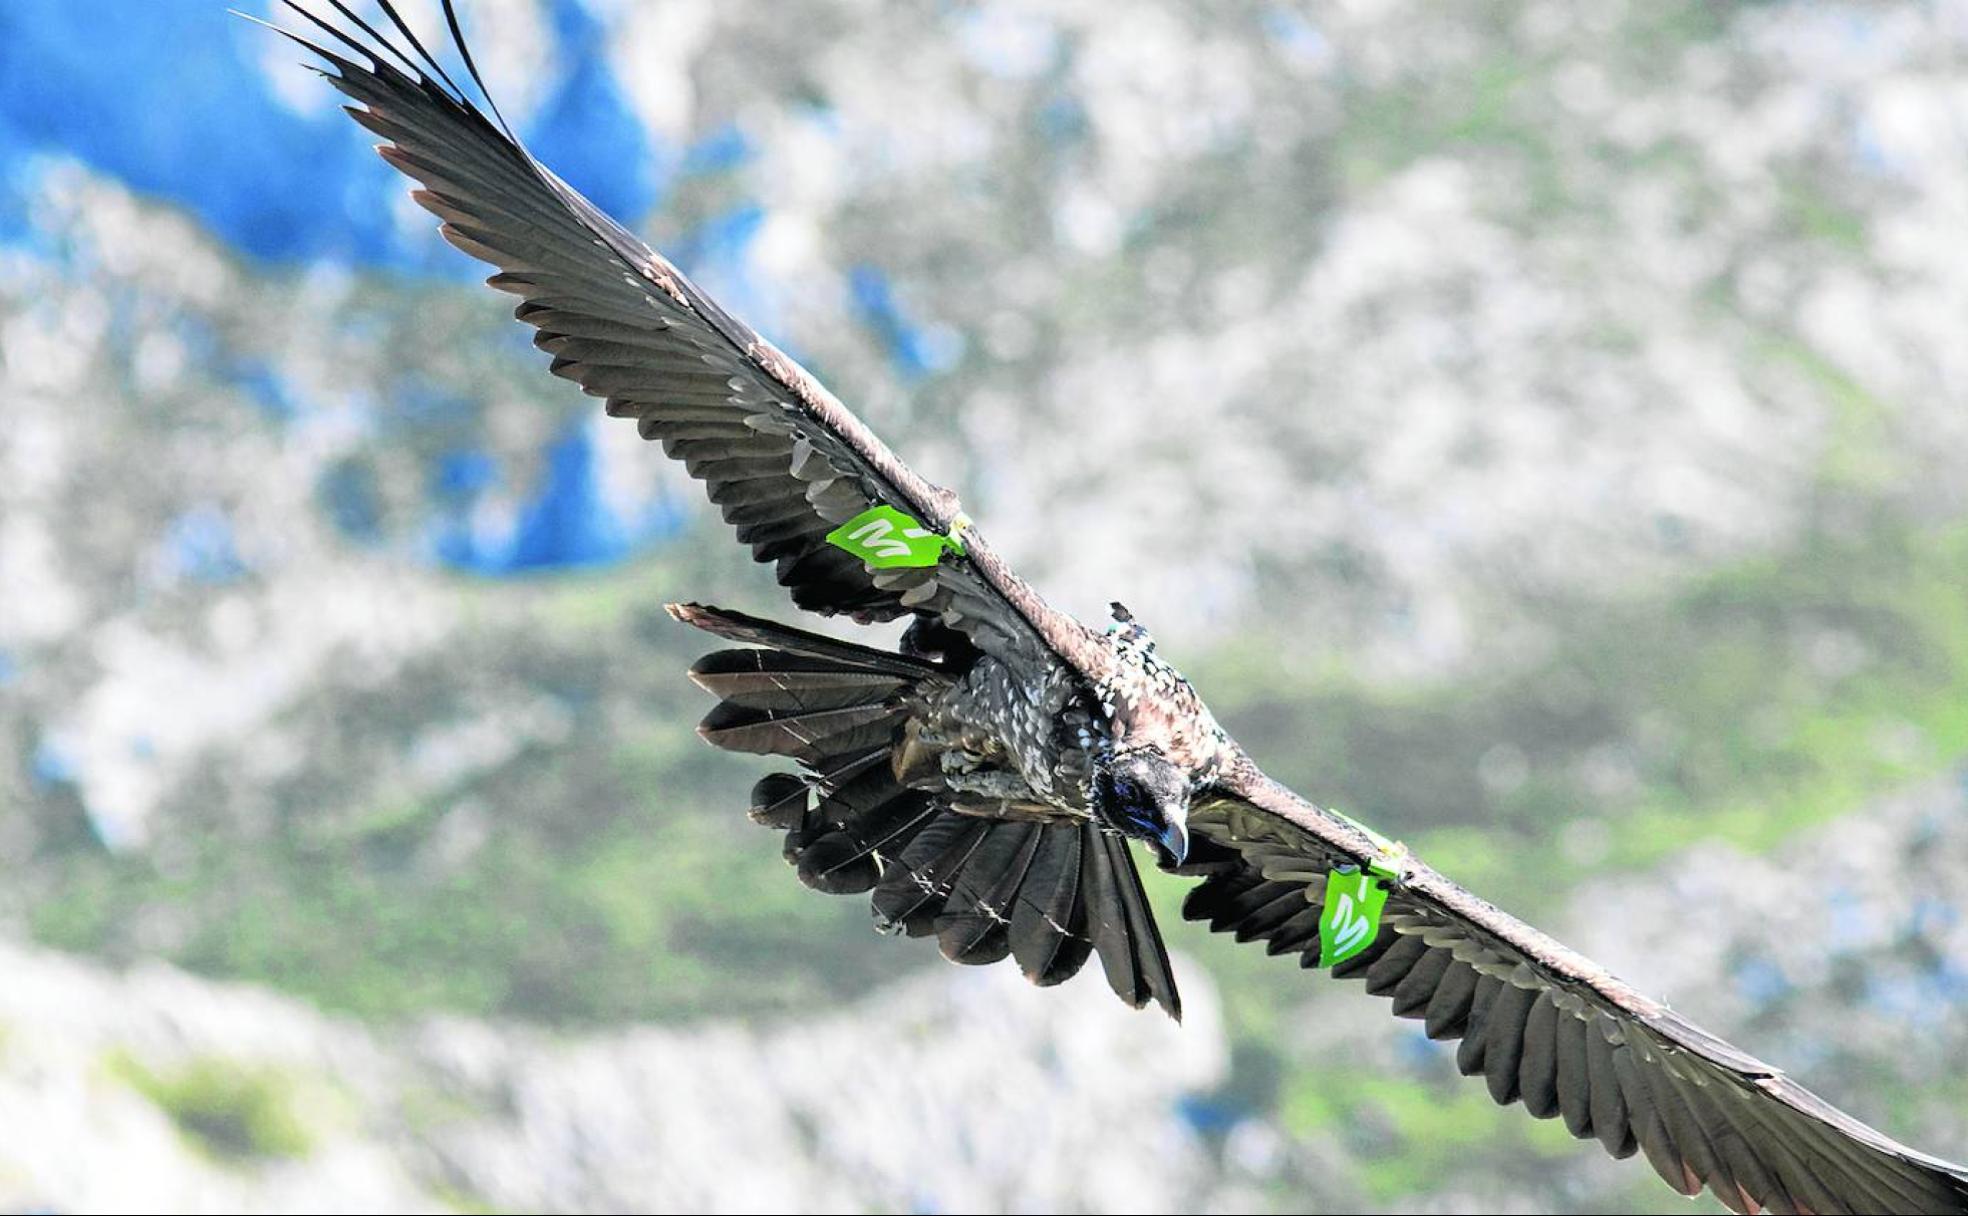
1548 1028
786 464
781 457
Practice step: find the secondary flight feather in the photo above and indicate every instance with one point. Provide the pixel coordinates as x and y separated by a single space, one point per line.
985 783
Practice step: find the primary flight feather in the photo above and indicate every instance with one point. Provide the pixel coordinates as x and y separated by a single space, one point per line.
984 782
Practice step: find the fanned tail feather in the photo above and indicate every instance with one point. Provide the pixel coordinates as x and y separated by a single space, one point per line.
1047 894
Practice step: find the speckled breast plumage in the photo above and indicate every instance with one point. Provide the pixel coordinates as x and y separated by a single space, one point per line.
1150 704
1009 742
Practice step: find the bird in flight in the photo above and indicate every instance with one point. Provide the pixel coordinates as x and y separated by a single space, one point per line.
986 781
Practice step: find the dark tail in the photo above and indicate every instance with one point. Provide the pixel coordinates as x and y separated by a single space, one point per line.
1048 894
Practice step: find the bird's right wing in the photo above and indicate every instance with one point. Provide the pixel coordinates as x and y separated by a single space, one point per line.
805 483
1545 1026
791 469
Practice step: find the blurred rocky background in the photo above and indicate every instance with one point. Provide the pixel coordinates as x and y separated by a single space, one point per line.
1536 427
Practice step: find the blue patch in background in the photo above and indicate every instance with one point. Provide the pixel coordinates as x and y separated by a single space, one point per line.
170 97
915 351
173 98
588 131
53 765
268 389
724 149
199 546
568 523
349 496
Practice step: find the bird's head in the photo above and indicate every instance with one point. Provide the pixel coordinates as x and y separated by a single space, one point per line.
1145 795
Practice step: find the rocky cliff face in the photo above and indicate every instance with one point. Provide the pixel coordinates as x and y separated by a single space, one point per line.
152 1089
962 1090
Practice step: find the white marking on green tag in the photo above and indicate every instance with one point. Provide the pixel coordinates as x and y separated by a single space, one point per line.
1350 921
886 538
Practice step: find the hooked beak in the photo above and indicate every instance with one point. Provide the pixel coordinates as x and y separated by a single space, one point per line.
1175 840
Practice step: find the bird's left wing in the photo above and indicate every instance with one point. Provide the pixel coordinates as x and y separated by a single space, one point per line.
1544 1025
848 527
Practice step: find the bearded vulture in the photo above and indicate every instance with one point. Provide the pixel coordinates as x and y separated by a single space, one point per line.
985 781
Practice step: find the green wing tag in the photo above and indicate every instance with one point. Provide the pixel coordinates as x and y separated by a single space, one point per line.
1350 921
885 538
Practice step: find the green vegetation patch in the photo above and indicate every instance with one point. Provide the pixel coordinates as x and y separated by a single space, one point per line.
613 876
1762 699
232 1112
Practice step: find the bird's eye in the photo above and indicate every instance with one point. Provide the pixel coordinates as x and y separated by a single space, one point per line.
1124 790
